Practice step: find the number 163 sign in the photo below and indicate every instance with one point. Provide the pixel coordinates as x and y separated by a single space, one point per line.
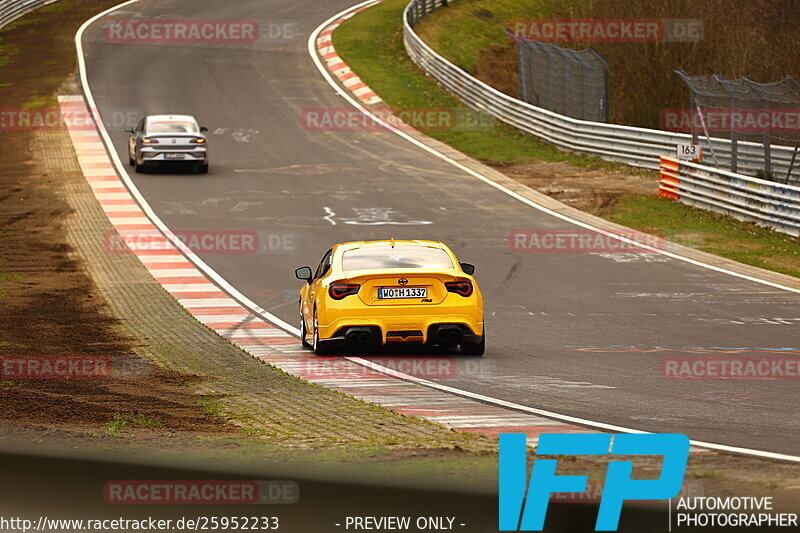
691 152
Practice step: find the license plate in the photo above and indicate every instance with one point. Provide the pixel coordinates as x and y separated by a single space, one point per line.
389 293
173 156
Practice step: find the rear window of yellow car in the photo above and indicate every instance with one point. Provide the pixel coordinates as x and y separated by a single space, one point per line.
397 257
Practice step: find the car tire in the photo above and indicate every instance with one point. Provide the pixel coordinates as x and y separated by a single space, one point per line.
140 169
319 348
474 348
203 169
131 161
303 333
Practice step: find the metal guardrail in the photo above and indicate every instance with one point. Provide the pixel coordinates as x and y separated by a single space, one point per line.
11 10
766 203
639 147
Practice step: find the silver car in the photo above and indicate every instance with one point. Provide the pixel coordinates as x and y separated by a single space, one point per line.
174 139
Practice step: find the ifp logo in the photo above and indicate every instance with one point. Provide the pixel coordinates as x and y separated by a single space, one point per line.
522 510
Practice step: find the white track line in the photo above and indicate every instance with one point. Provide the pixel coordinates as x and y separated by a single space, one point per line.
242 299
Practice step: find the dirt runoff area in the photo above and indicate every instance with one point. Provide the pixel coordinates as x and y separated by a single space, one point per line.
592 191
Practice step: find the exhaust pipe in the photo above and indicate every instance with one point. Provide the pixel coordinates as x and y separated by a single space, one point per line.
358 336
448 336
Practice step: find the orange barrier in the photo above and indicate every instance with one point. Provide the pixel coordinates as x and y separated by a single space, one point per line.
669 178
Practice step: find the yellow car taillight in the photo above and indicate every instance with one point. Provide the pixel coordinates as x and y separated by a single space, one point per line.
464 288
342 290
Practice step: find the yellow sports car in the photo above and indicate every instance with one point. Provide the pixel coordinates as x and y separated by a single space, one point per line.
379 292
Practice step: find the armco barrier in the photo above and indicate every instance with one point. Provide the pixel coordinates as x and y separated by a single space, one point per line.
639 147
764 202
11 10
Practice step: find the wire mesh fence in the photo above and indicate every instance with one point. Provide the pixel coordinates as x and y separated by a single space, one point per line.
566 81
746 111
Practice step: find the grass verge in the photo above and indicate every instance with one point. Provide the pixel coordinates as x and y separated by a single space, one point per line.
710 232
372 44
117 425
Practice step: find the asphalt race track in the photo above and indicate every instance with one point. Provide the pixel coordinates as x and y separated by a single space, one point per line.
569 332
